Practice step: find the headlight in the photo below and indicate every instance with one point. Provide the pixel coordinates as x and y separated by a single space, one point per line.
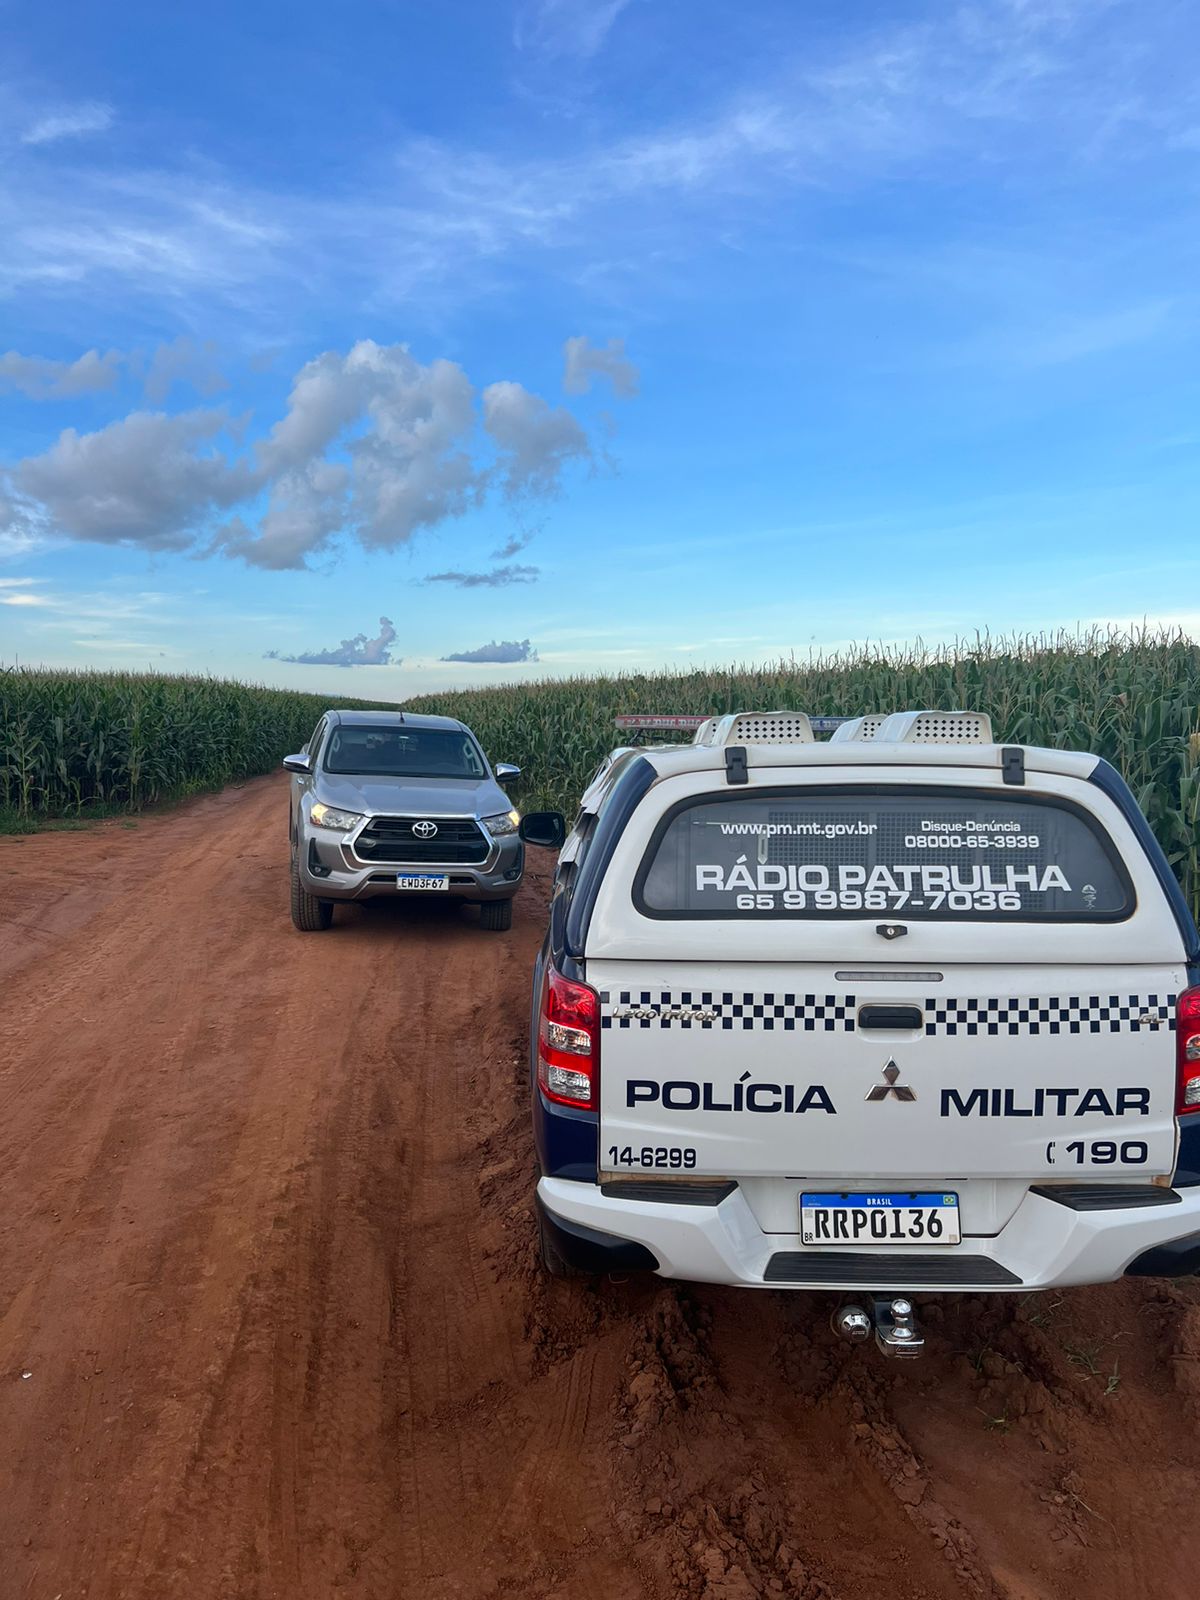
328 817
506 823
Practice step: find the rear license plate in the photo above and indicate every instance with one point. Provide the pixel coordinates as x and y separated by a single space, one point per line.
882 1219
422 880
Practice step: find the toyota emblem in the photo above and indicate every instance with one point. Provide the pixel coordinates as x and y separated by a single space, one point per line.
424 830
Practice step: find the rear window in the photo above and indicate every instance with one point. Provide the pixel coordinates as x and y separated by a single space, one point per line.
925 854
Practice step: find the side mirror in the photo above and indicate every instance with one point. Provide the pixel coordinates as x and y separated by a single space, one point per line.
547 828
506 772
298 763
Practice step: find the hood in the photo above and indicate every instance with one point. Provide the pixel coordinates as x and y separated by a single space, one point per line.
427 797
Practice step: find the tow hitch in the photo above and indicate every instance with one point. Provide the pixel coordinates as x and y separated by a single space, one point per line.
896 1330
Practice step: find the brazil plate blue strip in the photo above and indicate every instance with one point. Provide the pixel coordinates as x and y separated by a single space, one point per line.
867 1201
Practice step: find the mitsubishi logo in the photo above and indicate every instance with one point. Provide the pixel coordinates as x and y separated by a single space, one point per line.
901 1090
424 830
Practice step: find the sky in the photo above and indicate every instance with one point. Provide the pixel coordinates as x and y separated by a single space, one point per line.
385 347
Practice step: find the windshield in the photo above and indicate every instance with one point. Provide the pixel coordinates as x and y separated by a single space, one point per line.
404 753
922 853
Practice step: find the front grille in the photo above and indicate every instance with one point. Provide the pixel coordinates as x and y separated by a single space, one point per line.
457 840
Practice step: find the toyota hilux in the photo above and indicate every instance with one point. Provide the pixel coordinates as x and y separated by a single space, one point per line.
388 804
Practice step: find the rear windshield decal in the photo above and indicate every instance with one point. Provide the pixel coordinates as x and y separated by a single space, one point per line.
919 854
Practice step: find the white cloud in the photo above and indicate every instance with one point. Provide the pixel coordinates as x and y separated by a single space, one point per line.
411 467
305 511
582 361
165 232
404 430
103 610
373 445
536 440
496 578
19 529
356 652
71 122
102 642
557 28
41 379
514 544
981 87
499 653
183 361
377 444
149 480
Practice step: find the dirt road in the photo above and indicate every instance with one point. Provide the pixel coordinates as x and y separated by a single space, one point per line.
270 1324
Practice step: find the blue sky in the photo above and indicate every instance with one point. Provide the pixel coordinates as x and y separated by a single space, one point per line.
619 333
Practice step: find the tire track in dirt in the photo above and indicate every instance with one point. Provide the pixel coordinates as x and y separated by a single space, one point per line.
267 1252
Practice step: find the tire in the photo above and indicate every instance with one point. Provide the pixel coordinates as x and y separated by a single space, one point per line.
496 915
309 914
554 1263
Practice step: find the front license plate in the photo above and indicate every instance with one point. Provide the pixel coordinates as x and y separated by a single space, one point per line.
422 880
883 1219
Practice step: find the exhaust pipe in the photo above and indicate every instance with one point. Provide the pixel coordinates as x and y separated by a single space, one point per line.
852 1324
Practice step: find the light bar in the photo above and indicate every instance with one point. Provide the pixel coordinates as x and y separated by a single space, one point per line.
683 724
688 724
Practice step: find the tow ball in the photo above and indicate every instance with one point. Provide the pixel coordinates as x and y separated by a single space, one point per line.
896 1330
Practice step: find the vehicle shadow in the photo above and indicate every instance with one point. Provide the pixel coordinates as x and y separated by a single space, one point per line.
439 915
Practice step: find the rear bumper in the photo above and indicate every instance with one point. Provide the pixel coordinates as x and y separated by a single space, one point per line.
1045 1245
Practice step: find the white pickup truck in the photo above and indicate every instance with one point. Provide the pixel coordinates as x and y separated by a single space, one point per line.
902 1011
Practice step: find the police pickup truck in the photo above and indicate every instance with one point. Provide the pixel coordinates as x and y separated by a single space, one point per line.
904 1010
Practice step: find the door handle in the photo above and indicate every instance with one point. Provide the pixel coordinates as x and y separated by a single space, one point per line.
894 1017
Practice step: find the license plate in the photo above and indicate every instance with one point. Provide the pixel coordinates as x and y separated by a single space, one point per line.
422 880
827 1220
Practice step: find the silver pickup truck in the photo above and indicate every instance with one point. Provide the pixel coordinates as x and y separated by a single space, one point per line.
384 804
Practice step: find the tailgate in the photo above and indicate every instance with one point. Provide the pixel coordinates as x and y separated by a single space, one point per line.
800 1070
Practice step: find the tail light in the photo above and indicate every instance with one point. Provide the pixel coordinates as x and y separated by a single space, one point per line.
568 1066
1187 1052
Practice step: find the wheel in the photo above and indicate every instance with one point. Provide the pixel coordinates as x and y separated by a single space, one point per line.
309 914
553 1260
496 915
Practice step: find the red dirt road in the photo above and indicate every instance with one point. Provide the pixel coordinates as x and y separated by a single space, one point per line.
271 1326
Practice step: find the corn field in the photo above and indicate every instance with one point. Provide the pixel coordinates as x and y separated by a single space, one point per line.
1133 698
71 742
74 741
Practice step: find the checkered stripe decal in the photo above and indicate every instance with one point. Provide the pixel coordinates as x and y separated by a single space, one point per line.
831 1013
805 1013
1094 1013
